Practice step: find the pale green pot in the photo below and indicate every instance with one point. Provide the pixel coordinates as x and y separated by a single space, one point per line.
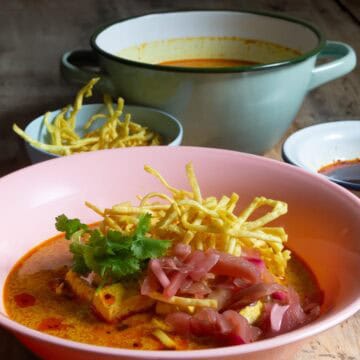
246 108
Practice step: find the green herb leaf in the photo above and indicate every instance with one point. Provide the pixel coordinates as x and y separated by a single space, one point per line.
69 226
79 265
113 256
143 225
147 248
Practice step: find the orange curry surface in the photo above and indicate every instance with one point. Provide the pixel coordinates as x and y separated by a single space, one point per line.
209 63
30 299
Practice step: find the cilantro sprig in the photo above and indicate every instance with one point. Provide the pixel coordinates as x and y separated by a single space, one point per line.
114 256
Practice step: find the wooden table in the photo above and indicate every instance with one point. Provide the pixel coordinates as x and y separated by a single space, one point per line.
34 34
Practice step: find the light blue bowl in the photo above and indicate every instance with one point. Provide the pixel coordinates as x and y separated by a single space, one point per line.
159 121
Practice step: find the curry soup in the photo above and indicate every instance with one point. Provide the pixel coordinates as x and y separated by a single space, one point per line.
208 63
31 299
208 51
186 272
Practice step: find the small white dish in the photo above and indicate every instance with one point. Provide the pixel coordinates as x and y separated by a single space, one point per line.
163 123
319 145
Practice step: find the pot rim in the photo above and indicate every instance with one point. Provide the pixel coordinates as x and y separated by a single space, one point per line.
235 69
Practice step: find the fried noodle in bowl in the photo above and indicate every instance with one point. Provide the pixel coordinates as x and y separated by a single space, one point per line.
114 132
201 275
206 223
201 271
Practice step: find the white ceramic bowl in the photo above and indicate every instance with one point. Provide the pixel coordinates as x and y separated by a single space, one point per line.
319 145
163 123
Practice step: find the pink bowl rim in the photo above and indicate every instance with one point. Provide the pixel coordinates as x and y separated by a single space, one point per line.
281 340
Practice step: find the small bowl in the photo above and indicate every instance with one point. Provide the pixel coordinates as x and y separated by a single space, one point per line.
323 144
159 121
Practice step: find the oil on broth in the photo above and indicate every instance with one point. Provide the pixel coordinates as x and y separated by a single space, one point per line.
30 299
209 63
226 49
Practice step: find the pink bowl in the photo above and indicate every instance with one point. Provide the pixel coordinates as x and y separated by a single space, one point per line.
322 223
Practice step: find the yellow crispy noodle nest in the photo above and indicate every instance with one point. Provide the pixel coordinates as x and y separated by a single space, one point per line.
186 217
114 133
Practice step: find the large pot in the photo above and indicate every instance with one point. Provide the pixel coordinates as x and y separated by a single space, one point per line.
246 108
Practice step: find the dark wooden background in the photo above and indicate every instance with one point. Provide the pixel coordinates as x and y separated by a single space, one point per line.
35 33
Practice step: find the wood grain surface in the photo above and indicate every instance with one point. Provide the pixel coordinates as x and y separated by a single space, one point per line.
34 34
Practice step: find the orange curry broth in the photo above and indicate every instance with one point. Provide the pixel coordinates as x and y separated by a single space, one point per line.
30 299
209 63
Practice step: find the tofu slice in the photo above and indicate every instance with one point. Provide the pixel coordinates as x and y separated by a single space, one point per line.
165 308
112 302
115 302
80 287
252 312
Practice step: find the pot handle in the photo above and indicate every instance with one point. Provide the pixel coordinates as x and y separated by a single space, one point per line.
343 61
79 66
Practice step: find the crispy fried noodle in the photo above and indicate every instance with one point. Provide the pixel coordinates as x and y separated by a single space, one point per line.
187 217
113 132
